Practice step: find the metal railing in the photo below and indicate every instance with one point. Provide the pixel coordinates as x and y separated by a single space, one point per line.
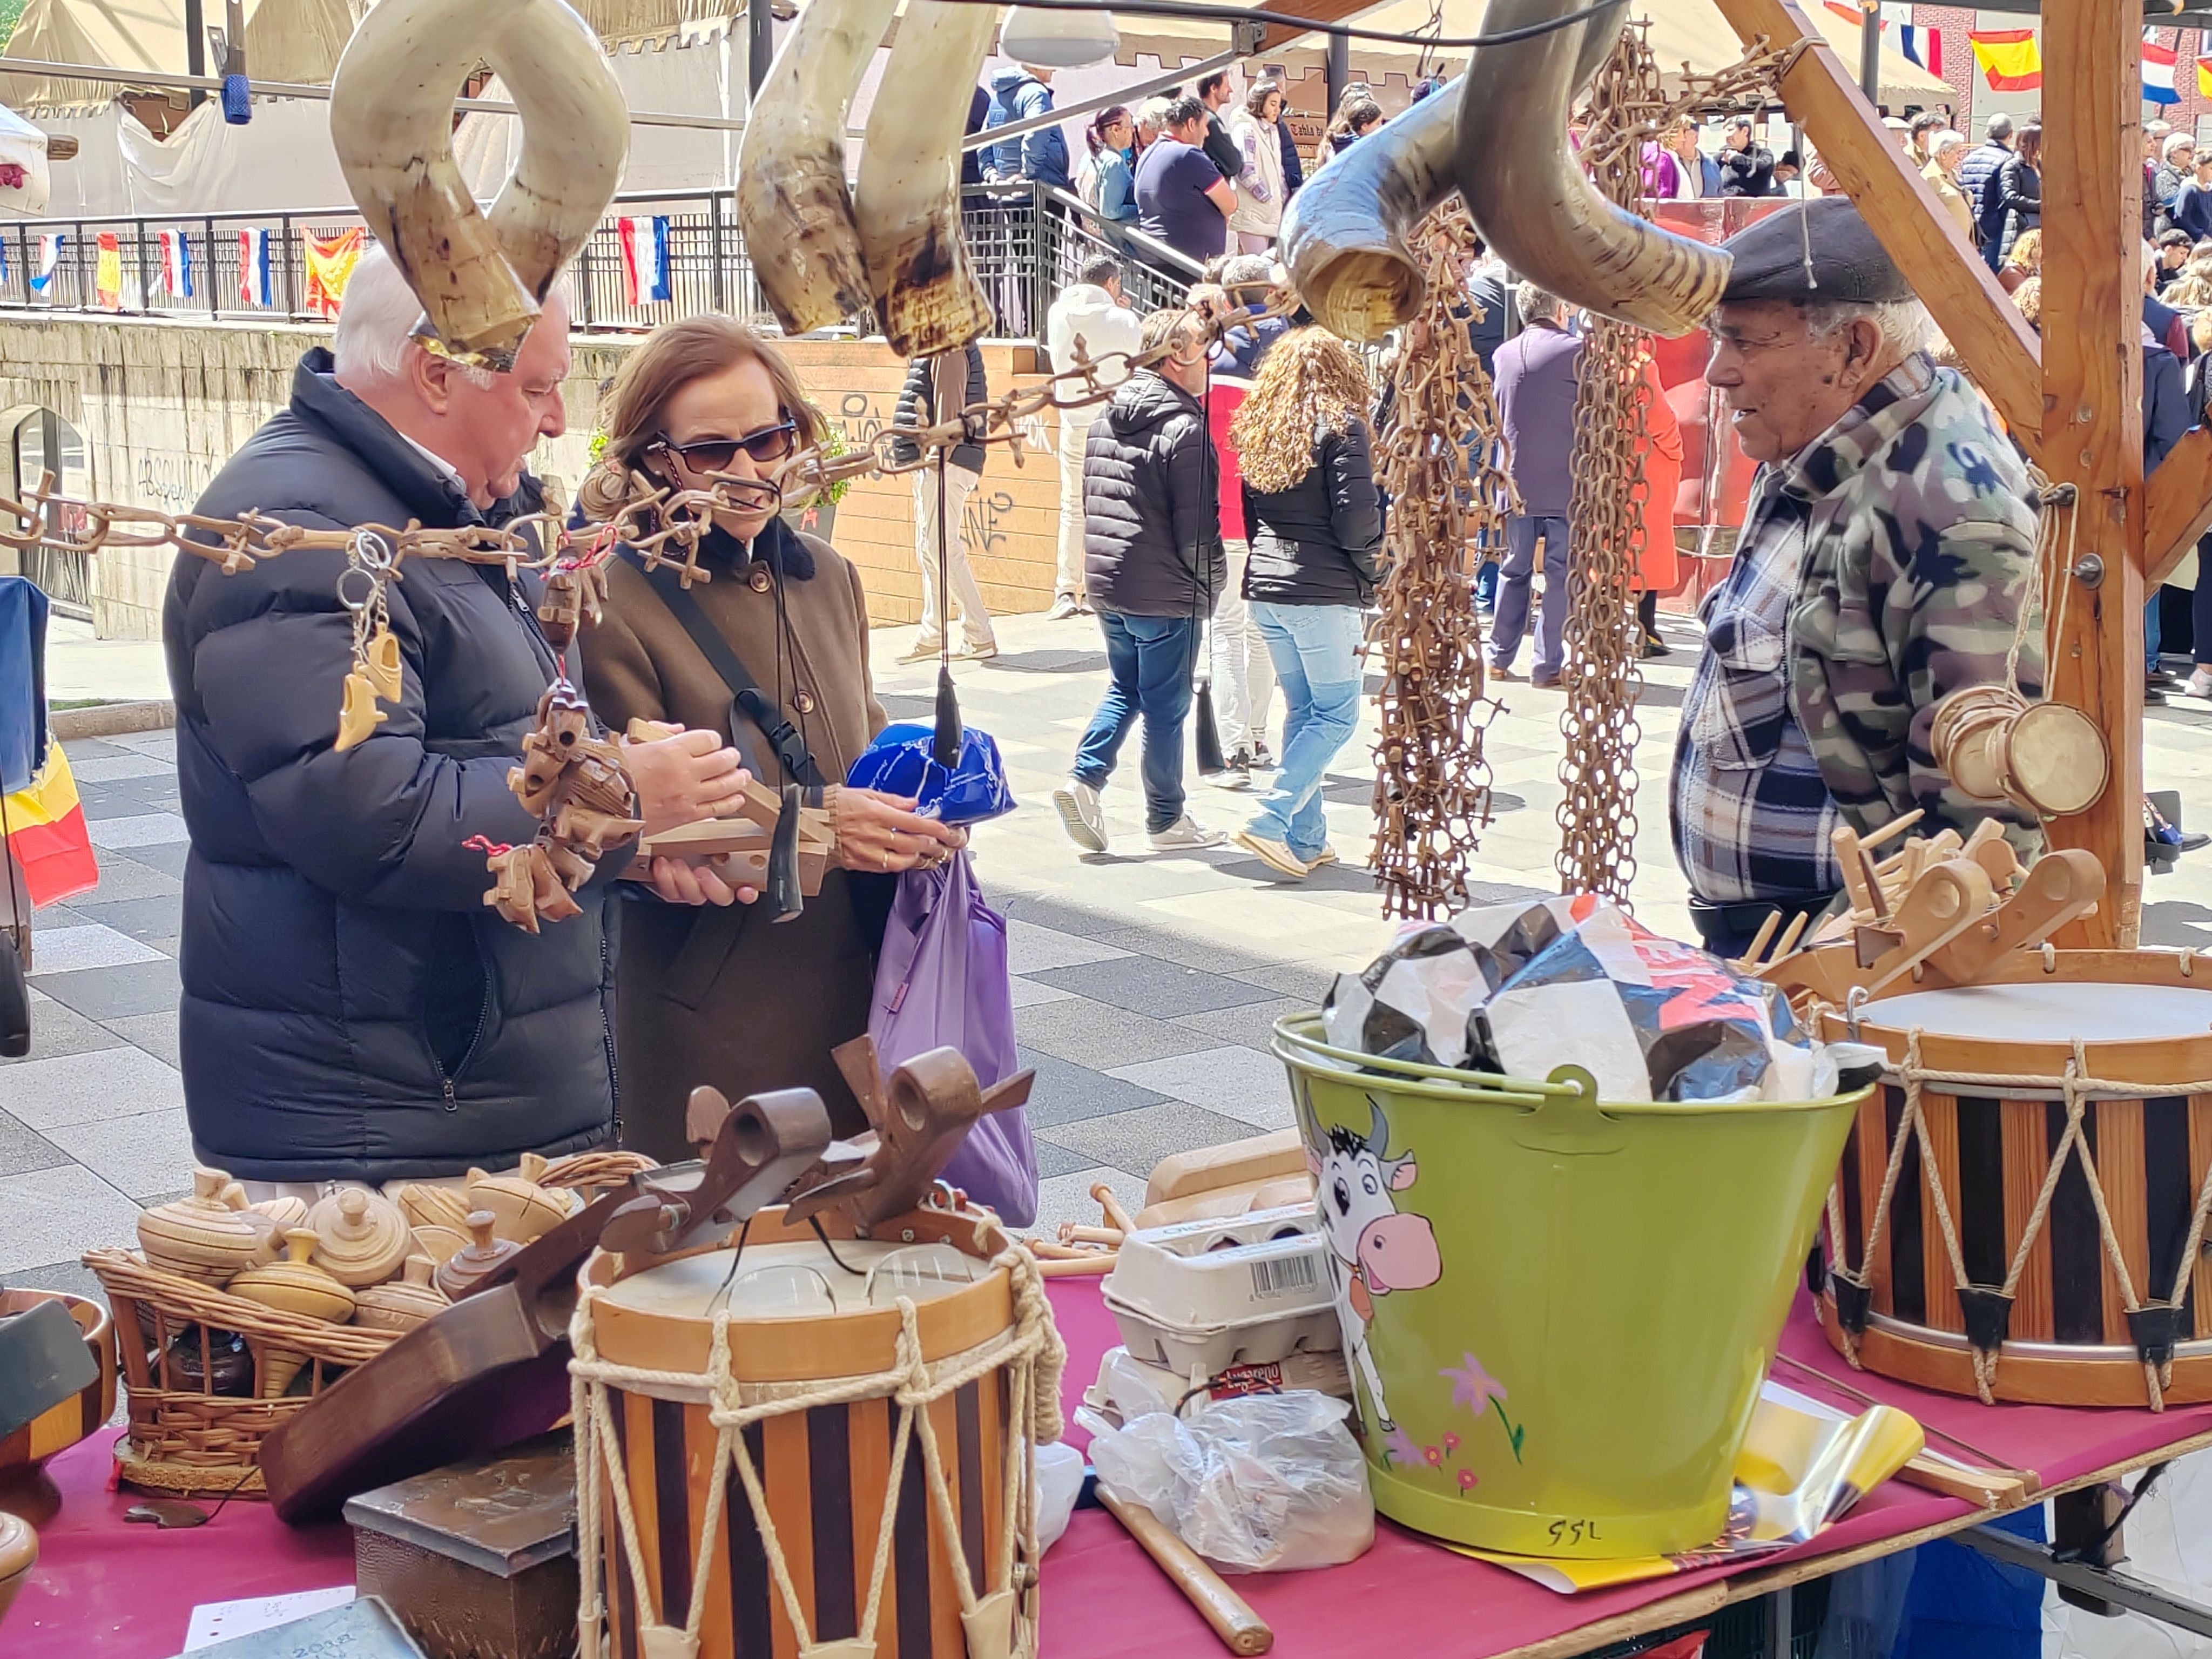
1025 241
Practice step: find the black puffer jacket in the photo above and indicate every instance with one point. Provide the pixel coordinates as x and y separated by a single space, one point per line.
351 1009
1315 543
1152 504
912 409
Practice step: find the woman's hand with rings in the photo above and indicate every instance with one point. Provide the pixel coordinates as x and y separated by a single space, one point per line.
683 776
880 832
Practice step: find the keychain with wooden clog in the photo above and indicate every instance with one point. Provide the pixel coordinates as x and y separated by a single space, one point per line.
375 676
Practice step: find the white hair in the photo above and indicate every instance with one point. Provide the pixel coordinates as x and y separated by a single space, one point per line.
376 326
1945 141
1902 323
1536 304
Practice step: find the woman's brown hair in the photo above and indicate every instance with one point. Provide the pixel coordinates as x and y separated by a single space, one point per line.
671 358
1309 383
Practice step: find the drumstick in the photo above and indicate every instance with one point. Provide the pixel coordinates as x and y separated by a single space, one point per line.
1759 939
1896 826
1110 1237
1091 1261
1233 1620
1789 938
1047 1249
1115 1215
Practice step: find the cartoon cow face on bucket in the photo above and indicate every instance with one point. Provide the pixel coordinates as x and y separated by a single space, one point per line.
1377 1250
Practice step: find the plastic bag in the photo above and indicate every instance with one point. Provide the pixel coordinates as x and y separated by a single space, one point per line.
1269 1483
1060 1483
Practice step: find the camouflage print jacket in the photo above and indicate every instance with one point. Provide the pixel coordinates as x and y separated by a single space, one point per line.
1920 546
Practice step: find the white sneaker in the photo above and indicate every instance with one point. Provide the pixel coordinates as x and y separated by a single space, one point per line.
1082 816
1236 772
1184 834
1062 608
1275 855
920 652
982 653
2200 683
1326 855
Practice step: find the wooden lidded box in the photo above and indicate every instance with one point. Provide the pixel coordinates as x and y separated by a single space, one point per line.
476 1559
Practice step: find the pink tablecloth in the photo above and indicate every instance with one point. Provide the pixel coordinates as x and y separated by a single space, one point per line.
104 1589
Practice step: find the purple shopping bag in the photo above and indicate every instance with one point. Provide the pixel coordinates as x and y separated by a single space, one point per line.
942 981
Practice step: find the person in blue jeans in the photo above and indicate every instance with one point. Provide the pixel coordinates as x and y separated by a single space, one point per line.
1315 523
1152 565
1535 384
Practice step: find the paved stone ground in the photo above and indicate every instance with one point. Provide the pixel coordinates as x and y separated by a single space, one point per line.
1146 985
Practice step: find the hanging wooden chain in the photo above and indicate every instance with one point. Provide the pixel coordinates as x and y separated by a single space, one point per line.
1444 466
1607 509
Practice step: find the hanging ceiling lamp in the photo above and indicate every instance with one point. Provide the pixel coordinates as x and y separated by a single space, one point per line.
1058 39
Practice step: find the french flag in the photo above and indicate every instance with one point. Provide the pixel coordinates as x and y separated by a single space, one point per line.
645 259
254 284
1920 43
177 264
2157 71
50 255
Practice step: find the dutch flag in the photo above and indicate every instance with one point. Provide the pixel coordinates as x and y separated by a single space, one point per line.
50 255
177 264
645 259
254 284
2157 71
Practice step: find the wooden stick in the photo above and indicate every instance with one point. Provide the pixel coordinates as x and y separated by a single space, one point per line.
1110 1237
1242 1631
1115 1215
1759 940
1091 1261
1798 923
1046 1249
1896 826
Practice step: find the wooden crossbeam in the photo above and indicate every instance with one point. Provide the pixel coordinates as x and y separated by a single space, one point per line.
2180 510
1960 291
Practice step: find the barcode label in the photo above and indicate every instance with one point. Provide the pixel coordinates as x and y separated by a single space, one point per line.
1282 1274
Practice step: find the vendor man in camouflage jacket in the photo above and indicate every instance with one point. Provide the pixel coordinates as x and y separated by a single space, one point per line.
1883 561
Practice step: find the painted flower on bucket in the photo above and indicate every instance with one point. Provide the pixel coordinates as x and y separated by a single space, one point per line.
1400 1447
1472 1386
1467 1478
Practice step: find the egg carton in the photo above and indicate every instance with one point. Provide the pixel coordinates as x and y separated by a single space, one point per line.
1208 1295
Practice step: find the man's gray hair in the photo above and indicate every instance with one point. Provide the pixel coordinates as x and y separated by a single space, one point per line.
376 326
1536 304
2176 143
2000 126
1153 113
1945 141
1902 323
1099 270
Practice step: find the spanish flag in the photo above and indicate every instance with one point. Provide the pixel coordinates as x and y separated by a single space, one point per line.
331 260
2010 58
2204 75
107 273
46 836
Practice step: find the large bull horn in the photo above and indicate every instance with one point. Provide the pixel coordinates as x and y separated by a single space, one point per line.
1536 207
792 203
479 277
1344 234
908 197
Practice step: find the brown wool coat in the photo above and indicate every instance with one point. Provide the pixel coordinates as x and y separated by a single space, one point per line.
724 996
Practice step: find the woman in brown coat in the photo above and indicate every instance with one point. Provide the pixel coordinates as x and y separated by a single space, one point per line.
719 993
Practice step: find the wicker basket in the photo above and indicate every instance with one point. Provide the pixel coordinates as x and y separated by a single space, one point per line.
186 1441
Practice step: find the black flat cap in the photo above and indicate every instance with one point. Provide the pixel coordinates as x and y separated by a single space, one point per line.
1848 261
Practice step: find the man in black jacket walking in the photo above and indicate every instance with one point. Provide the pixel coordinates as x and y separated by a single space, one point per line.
1154 564
1747 165
351 1009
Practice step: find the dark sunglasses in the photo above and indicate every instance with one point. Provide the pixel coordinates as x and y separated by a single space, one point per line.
771 443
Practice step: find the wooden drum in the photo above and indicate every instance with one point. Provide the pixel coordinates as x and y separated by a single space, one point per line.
823 1342
2045 1141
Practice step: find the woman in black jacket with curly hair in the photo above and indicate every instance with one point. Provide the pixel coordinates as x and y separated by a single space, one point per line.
1316 523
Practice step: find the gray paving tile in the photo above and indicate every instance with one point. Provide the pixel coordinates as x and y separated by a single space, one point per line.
1065 1092
84 947
92 749
1054 1160
23 1148
142 988
1096 1035
1028 993
71 1276
144 829
1031 949
113 765
1137 1140
1208 956
112 800
168 857
1147 984
140 1155
158 916
162 744
156 1033
57 1214
57 1030
1252 1024
1054 912
130 878
1234 1081
121 1081
1299 980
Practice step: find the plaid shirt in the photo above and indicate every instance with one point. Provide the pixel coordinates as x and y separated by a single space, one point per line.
1751 815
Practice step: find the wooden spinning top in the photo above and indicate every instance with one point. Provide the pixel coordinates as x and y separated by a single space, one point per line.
404 1303
522 1210
485 1252
426 1206
270 1220
442 1244
201 1236
363 1236
296 1285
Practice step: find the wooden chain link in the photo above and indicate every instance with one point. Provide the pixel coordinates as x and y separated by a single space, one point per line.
1442 465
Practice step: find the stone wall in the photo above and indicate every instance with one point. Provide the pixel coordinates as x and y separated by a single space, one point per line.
161 405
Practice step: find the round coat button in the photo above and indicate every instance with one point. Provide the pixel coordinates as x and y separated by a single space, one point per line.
805 701
760 580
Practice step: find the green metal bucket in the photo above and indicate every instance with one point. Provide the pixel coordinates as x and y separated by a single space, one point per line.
1557 1314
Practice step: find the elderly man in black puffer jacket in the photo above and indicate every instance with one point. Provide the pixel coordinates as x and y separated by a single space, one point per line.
1153 565
351 1009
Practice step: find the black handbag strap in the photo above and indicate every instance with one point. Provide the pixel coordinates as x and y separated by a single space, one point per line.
757 706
